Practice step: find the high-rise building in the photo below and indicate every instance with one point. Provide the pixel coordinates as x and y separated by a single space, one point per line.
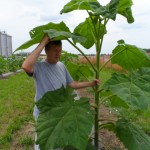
5 44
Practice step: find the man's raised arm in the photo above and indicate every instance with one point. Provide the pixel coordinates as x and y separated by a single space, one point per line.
28 64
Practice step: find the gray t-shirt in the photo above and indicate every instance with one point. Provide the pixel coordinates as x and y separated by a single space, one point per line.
49 77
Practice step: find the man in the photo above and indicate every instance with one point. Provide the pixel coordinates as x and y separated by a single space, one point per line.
50 74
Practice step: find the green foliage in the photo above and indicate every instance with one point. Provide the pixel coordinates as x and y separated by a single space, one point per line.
55 31
132 136
83 30
37 33
80 71
63 121
3 65
108 11
26 140
14 62
11 63
133 89
63 35
124 9
130 56
89 147
66 58
79 5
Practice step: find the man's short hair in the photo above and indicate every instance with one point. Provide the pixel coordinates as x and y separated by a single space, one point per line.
57 43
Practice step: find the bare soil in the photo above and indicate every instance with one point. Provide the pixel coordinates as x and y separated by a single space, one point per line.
108 139
27 130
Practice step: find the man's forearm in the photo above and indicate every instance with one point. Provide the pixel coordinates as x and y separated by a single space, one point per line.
79 85
30 61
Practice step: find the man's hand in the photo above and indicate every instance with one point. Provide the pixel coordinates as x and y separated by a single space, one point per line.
45 40
95 82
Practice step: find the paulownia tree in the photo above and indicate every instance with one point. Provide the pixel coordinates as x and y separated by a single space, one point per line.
66 123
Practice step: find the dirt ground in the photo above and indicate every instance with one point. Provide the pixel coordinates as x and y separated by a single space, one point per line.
108 139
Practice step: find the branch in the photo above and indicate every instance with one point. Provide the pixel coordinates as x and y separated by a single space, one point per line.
83 55
101 42
110 59
106 98
93 24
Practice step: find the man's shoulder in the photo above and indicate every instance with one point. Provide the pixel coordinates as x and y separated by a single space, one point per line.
60 63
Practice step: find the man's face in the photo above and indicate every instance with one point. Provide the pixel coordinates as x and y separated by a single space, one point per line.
54 53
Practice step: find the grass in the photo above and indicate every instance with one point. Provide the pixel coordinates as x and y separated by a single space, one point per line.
26 140
16 105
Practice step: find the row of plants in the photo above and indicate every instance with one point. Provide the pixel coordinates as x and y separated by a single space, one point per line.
66 123
10 64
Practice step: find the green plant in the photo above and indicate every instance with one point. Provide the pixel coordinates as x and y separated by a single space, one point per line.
3 65
67 57
14 62
122 92
11 63
26 140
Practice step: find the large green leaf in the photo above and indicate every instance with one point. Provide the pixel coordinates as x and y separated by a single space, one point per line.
108 11
62 35
116 102
89 147
86 30
132 136
112 100
59 27
130 57
133 89
37 33
80 71
63 121
31 42
80 5
124 9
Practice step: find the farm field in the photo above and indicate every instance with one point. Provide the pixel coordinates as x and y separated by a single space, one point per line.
103 59
16 106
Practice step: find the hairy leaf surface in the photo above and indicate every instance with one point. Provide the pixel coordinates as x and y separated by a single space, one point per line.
79 71
86 30
124 9
80 5
63 121
130 57
108 11
37 33
132 136
133 89
62 35
59 27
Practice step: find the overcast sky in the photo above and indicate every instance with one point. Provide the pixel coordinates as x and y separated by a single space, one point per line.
18 17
